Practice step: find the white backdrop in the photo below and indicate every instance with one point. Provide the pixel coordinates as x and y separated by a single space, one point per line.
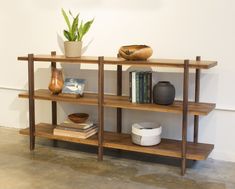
173 28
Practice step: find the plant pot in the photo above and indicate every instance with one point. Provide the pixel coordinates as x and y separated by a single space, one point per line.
163 93
146 133
57 81
73 49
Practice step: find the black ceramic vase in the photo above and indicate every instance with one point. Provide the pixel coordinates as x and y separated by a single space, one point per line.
163 93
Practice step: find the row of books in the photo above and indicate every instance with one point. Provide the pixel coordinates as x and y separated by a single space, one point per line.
76 130
140 87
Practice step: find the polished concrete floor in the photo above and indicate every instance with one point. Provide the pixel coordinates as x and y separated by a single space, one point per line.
71 166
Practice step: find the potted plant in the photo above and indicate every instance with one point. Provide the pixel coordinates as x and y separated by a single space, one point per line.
74 34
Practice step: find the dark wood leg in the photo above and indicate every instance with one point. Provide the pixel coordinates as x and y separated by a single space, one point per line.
100 108
185 116
31 101
119 93
54 119
54 104
197 96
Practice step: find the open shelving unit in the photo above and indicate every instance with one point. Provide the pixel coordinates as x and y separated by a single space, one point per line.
118 140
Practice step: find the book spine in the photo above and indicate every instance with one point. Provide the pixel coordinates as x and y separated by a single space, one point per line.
76 125
145 87
133 87
130 86
148 88
75 129
141 88
137 89
151 87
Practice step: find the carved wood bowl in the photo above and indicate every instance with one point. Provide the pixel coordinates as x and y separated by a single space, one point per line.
78 117
135 52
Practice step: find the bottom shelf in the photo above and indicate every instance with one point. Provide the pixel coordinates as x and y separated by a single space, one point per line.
167 147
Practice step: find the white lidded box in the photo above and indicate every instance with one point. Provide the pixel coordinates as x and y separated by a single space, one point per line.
146 133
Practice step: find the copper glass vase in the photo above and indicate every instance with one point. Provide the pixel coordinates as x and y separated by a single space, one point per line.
57 81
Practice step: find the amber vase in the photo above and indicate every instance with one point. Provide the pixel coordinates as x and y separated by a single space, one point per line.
57 81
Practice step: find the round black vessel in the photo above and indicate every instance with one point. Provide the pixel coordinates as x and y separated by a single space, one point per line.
163 93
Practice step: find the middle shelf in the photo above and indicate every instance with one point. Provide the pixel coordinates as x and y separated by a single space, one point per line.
123 102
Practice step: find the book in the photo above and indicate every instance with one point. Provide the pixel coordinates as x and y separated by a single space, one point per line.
136 91
130 86
151 87
148 87
145 96
68 133
70 124
134 97
76 129
141 87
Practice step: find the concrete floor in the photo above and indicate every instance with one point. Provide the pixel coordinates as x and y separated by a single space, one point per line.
70 166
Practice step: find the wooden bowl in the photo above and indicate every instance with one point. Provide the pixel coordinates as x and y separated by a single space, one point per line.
78 117
135 52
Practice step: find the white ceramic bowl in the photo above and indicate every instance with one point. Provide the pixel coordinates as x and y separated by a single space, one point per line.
146 133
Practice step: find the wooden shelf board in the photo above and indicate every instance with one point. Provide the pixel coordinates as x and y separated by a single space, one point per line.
175 63
123 102
120 61
170 148
62 58
43 94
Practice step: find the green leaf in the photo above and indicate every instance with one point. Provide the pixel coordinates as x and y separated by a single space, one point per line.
74 28
71 14
73 38
80 31
66 19
67 35
86 28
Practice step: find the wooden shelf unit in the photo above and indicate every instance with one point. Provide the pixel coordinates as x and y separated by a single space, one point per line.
172 148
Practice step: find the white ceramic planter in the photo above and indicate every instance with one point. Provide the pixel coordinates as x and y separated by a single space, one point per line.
73 49
146 133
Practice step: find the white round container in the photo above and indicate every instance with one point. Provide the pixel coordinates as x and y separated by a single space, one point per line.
146 133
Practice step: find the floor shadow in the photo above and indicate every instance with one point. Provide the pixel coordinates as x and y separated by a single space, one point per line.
114 153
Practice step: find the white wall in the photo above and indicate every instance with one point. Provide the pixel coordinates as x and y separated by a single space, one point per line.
174 28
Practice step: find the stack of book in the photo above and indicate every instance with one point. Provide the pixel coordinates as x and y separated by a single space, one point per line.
76 130
140 87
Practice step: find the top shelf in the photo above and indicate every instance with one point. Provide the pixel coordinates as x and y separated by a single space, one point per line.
61 58
173 63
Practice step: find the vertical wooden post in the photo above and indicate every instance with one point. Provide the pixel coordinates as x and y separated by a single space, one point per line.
197 96
31 101
119 93
100 108
53 103
185 116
